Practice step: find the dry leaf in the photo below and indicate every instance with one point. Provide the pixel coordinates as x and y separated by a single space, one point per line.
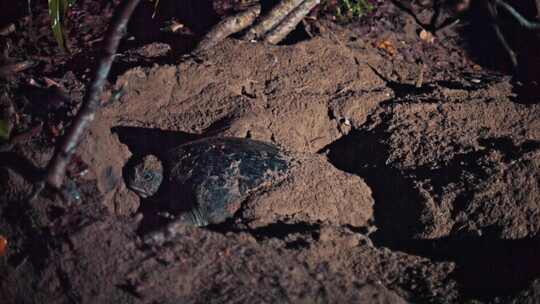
387 46
50 83
427 36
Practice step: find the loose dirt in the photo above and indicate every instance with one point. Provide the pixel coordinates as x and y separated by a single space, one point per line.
402 191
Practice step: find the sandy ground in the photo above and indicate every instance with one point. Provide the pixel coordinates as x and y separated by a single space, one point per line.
399 193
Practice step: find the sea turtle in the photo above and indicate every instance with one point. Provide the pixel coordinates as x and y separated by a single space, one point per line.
204 182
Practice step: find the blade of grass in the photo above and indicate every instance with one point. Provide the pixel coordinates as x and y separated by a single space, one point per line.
57 11
156 3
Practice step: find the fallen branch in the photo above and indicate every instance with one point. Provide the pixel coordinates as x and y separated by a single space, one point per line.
272 28
290 22
56 170
270 20
227 27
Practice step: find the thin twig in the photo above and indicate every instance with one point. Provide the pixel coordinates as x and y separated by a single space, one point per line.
29 7
522 20
507 48
493 14
56 169
449 22
420 78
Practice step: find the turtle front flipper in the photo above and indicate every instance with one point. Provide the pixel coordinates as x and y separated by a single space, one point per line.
170 230
195 217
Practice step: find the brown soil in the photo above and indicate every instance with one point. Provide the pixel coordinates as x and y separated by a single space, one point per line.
399 193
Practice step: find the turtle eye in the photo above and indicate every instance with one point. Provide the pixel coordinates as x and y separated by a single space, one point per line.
148 176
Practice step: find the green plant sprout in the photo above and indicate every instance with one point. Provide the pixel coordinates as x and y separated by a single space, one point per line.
57 11
353 8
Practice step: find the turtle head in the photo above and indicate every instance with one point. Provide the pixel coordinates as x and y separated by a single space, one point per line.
145 176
